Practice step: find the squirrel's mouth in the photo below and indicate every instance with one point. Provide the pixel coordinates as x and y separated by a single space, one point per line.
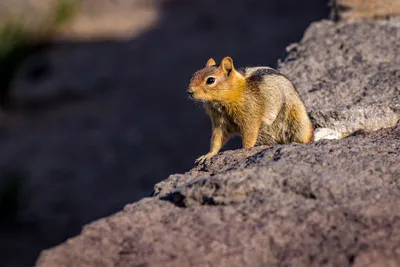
196 94
195 98
190 94
192 97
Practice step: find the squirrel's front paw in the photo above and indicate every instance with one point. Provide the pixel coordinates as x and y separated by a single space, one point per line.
202 159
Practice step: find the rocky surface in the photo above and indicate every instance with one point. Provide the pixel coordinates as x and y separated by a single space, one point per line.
327 203
348 74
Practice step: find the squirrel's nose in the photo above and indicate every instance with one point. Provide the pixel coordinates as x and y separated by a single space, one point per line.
190 92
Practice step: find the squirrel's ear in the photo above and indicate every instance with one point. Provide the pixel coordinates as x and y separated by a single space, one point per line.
227 65
210 62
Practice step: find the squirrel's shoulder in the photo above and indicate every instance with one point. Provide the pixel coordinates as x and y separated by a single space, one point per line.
267 78
256 74
257 71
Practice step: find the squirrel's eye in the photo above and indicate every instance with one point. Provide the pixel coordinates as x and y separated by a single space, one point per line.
210 80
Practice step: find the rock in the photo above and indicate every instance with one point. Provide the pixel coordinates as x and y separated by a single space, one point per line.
344 79
364 9
346 121
322 204
326 133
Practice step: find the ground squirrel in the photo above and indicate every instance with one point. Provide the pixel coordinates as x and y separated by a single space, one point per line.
257 103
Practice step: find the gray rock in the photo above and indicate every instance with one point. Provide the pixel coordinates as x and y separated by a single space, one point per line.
348 77
329 203
349 120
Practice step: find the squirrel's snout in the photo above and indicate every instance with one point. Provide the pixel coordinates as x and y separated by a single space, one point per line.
190 92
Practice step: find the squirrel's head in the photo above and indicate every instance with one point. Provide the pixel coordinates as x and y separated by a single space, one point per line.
216 83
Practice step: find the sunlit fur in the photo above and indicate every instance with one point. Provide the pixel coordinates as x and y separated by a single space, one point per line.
257 103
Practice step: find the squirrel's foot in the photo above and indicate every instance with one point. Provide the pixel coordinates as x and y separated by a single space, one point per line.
202 159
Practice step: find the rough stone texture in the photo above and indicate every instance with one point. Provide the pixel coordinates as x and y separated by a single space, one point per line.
329 203
348 74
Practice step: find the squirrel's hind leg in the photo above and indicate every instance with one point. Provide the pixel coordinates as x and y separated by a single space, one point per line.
250 134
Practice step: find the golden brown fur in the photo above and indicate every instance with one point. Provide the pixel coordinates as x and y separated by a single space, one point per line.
257 103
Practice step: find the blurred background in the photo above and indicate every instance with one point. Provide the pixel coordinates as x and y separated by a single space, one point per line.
94 109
